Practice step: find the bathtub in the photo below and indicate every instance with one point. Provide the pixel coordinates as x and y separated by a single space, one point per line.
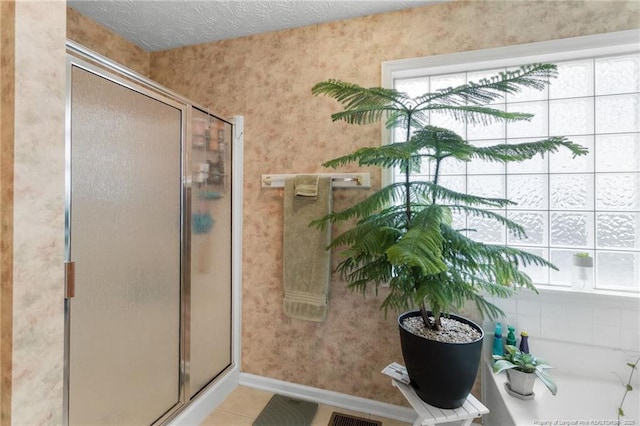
589 389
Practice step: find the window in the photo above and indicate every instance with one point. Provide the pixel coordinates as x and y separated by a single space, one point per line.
588 204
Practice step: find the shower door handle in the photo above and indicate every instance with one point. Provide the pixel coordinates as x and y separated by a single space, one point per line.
69 279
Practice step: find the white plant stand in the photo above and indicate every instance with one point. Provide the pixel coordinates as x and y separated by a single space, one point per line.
430 415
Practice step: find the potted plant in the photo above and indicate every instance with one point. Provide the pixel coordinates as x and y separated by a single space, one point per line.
522 370
404 235
582 275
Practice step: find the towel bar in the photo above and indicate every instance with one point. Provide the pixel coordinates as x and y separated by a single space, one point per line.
340 180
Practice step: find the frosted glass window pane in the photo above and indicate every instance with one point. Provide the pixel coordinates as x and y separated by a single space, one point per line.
618 74
399 135
535 225
572 191
618 153
618 191
571 117
618 230
538 274
537 164
481 167
564 162
447 121
451 166
458 220
477 76
568 203
455 183
495 130
575 79
537 127
413 87
425 167
530 192
487 186
618 270
562 259
415 178
486 230
618 114
528 94
572 229
446 81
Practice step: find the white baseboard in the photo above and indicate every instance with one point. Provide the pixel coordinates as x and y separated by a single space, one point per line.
326 397
205 403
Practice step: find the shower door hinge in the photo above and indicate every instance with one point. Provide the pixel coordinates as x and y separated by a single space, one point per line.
69 279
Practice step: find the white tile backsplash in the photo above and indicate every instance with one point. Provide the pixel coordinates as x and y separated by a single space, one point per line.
629 339
509 306
607 316
630 319
556 311
577 332
599 320
580 313
528 307
553 329
530 323
606 335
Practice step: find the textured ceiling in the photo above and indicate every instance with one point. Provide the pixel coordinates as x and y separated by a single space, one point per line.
166 24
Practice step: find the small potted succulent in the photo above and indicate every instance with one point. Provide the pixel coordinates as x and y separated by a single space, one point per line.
582 275
522 370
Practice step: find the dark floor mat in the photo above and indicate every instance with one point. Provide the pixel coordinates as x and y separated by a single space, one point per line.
285 411
339 419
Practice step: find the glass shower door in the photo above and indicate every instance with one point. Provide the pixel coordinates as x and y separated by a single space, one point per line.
125 240
210 250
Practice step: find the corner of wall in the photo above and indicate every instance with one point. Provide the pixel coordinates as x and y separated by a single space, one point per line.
107 43
7 99
38 213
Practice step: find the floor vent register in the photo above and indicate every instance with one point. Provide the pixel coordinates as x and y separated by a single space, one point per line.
339 419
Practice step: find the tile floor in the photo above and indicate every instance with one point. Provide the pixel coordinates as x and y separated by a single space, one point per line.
244 405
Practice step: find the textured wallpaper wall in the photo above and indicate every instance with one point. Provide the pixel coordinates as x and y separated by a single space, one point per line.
38 214
268 79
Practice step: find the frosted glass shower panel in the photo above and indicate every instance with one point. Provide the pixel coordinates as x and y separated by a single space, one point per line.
125 229
210 277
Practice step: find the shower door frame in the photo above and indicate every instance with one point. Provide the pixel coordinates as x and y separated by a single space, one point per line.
72 62
90 61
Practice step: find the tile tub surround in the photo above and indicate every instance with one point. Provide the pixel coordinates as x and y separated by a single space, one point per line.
590 388
588 339
268 79
599 320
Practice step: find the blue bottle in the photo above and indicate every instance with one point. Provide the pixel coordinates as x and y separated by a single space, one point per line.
524 342
498 348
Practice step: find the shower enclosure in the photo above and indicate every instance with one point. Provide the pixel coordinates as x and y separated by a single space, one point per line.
148 303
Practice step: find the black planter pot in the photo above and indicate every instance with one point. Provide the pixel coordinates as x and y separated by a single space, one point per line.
442 374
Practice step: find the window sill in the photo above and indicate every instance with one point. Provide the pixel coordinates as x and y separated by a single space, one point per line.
566 293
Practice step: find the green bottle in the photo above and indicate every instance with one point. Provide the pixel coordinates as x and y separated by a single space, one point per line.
511 336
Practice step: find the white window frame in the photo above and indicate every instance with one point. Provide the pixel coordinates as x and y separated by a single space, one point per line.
614 43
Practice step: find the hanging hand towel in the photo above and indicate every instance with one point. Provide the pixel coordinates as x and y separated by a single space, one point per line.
306 261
